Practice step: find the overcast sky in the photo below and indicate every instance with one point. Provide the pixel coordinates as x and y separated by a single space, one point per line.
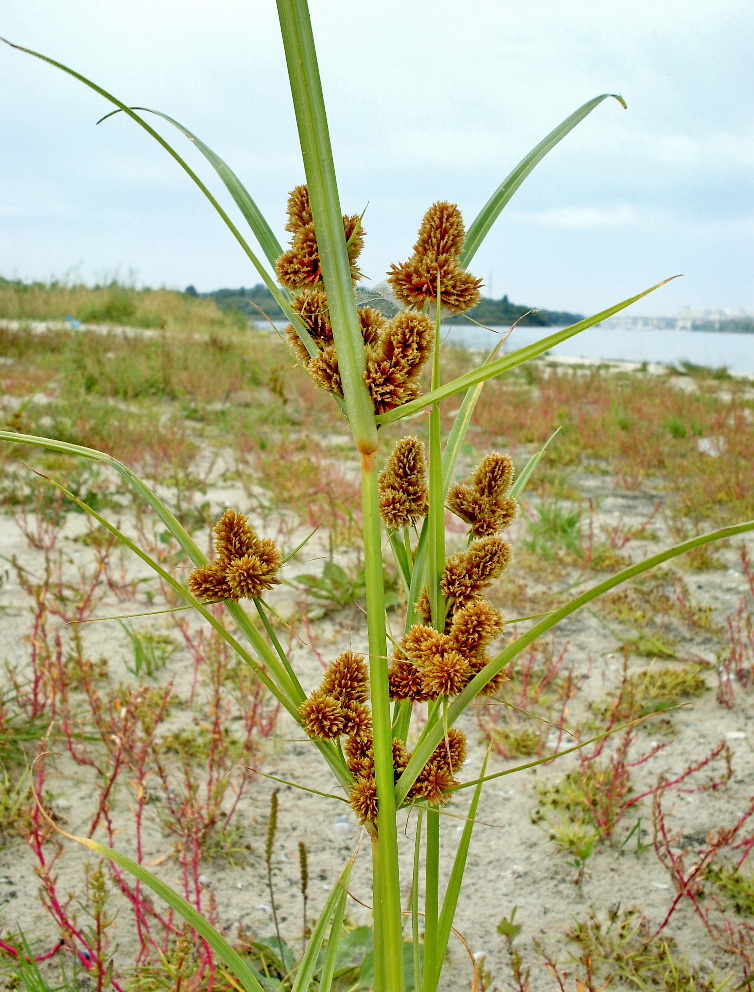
427 100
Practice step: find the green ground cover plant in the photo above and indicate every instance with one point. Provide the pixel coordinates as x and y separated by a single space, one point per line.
384 719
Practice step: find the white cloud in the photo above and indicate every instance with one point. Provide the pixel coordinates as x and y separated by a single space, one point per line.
583 218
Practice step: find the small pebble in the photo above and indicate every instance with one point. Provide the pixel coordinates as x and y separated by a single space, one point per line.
342 825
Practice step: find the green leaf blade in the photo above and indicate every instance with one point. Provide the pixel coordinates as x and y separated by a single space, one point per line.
489 213
230 957
511 361
241 197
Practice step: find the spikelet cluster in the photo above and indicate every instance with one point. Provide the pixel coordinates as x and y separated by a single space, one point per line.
299 268
245 565
434 264
438 775
402 484
429 664
337 708
396 350
485 505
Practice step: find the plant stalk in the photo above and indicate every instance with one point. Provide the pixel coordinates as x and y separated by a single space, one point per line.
387 895
314 137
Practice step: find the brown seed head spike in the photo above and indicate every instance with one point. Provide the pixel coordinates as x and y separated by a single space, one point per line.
421 643
359 749
405 682
297 346
363 799
325 371
311 306
209 585
451 751
434 264
253 574
433 781
441 233
299 267
234 536
485 506
299 209
403 484
444 674
357 720
468 572
347 678
322 716
474 626
494 475
373 324
394 364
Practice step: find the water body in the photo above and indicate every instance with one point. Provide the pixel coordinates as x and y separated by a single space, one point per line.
714 350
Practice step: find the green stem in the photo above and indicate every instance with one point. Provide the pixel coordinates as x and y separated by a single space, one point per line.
415 901
436 517
387 897
314 138
431 896
279 648
379 943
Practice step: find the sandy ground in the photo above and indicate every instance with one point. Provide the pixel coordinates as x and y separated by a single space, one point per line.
513 862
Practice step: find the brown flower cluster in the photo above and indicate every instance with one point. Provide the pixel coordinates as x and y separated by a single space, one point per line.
396 350
485 504
434 265
299 267
245 565
429 664
403 484
338 709
438 775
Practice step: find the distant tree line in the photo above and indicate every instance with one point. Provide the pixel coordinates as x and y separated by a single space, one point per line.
257 300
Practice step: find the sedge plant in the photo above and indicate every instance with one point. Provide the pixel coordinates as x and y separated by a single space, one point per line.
364 717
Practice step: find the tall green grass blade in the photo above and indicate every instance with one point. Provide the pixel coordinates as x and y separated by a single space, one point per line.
251 212
475 783
387 902
489 213
335 905
333 943
418 573
432 735
263 273
508 362
461 423
314 138
436 515
299 693
455 881
183 538
401 558
166 577
415 925
230 957
432 958
526 472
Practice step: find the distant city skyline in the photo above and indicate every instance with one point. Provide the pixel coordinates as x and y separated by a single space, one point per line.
424 104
